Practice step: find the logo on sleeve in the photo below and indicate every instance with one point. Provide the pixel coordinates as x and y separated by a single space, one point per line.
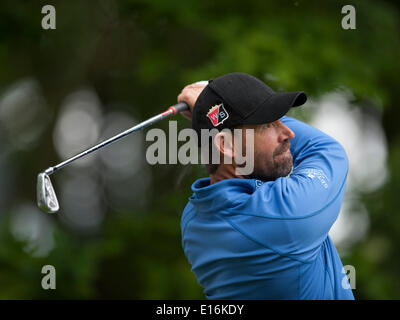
258 183
217 114
316 173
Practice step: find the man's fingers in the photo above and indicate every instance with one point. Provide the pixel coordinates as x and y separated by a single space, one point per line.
202 83
198 84
189 94
187 115
189 98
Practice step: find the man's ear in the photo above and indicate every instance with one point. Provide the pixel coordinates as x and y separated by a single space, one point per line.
224 144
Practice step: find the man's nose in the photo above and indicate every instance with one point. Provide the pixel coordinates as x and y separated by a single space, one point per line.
286 133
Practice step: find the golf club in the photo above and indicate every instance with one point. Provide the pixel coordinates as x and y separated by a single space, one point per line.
46 197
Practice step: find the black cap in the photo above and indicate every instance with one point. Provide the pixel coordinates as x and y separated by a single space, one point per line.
238 98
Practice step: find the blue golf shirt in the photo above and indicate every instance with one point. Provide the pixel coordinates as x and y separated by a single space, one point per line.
253 239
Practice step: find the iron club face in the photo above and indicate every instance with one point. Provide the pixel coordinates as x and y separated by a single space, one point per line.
46 197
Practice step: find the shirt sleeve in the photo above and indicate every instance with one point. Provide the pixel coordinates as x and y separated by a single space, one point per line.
301 208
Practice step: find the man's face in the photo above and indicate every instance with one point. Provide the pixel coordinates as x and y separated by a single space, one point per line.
272 156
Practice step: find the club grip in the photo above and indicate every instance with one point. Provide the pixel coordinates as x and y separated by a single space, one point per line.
181 106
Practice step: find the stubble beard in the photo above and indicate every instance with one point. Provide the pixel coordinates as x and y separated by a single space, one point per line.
280 167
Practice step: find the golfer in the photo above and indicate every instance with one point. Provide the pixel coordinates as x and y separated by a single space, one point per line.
264 235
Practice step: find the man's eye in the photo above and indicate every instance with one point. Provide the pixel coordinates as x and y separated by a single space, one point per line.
267 125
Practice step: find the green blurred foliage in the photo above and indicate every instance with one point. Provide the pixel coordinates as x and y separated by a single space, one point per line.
142 53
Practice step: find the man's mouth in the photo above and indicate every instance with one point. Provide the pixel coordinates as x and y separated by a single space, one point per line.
284 150
283 153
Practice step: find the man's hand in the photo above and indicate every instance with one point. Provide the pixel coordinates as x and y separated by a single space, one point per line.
189 94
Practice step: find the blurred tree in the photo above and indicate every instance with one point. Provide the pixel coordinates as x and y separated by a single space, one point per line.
142 53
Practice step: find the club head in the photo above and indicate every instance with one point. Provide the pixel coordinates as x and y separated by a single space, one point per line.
46 197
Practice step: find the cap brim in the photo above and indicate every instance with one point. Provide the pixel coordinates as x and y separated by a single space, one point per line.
276 107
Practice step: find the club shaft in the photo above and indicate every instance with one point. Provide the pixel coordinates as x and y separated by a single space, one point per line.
171 111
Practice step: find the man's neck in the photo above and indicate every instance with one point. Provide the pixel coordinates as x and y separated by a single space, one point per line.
224 172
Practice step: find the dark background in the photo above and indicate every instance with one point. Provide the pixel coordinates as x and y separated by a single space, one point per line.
110 64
